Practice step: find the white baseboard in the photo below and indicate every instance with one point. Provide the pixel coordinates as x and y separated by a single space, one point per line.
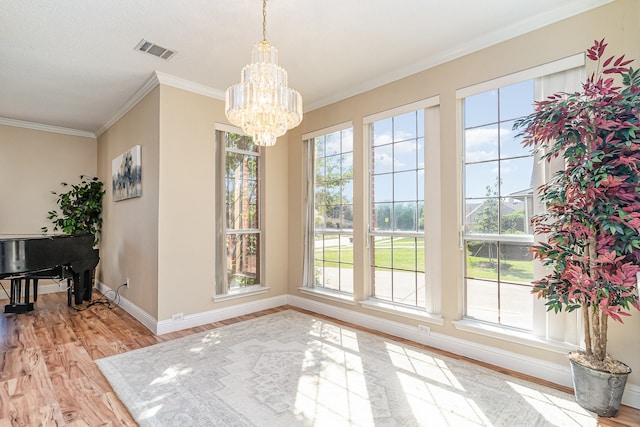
189 321
553 372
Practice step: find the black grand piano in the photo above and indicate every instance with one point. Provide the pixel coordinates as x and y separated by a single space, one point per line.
33 257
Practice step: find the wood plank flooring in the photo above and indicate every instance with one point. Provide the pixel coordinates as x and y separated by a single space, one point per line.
48 376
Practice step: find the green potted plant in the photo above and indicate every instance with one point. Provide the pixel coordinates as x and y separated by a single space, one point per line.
80 208
591 225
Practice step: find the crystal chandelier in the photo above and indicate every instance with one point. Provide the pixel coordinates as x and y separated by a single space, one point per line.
262 104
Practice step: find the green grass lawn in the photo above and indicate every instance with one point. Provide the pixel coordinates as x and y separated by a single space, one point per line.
510 270
404 254
404 257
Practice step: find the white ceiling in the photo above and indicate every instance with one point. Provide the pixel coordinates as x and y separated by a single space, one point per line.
72 64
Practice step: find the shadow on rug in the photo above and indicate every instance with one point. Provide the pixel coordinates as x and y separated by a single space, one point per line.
292 369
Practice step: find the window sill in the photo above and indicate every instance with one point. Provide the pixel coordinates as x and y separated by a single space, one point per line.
512 335
242 293
416 313
328 294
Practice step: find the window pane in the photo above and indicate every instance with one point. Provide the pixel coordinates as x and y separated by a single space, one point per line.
482 260
516 100
381 251
242 255
382 283
347 165
405 186
405 155
515 263
481 180
420 254
382 132
481 216
515 215
347 191
347 140
382 159
482 300
404 287
319 272
346 222
404 253
405 216
516 306
382 190
516 176
332 144
481 143
481 109
404 127
510 145
382 216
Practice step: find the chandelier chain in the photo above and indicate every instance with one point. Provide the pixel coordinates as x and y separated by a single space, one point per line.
264 20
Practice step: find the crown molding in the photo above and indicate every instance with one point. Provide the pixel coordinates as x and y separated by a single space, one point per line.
154 80
149 84
197 88
46 128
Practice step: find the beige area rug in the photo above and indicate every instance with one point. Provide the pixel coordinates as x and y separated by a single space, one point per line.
293 369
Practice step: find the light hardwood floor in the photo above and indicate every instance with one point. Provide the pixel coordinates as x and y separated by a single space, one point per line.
48 376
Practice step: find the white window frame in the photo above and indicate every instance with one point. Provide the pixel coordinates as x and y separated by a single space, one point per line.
308 282
558 332
222 292
431 313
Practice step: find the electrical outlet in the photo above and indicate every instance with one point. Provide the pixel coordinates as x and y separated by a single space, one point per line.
424 328
177 316
128 286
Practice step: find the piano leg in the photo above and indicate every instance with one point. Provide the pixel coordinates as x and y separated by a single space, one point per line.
26 289
15 306
69 291
77 289
87 285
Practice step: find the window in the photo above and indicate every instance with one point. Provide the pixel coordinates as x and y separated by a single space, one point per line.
498 201
499 196
332 207
396 236
239 158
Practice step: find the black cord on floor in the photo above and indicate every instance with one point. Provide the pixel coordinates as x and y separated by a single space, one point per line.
104 300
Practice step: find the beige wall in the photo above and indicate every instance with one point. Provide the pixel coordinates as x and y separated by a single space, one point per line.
164 240
618 22
186 206
129 246
32 164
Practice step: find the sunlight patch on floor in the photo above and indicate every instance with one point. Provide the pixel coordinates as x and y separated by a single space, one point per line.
560 412
335 391
170 374
441 405
422 364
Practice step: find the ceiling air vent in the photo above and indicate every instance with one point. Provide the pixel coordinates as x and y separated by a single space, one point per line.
155 50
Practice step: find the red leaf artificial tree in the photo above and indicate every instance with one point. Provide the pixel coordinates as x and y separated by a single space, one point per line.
591 225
